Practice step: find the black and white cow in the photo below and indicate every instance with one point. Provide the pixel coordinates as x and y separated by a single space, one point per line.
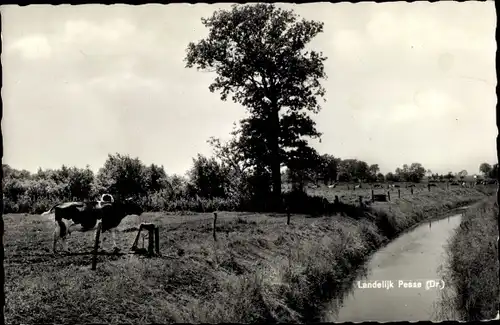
86 214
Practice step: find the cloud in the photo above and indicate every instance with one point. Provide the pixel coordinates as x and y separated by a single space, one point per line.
33 47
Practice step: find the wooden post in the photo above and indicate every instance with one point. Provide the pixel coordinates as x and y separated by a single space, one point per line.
399 193
157 240
96 245
373 199
447 185
411 189
388 195
136 241
151 241
429 187
215 225
288 217
360 200
337 199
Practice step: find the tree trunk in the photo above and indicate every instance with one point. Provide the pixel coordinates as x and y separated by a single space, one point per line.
274 133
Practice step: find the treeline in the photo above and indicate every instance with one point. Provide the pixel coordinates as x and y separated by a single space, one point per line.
210 184
330 169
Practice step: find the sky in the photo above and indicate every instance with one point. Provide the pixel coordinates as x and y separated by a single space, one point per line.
407 82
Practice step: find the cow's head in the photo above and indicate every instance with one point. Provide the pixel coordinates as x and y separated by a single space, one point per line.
132 207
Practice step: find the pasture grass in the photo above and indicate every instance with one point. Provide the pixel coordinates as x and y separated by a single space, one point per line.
259 270
471 271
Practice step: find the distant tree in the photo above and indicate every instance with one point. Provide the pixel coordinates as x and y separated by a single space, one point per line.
178 187
301 171
123 176
380 177
449 176
416 172
208 177
9 172
346 170
80 182
462 174
354 170
329 168
391 177
400 174
413 173
155 178
14 188
372 172
485 169
258 53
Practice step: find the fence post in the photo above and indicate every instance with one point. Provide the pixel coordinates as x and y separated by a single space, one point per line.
399 193
411 189
360 200
373 199
336 199
388 195
157 240
96 245
429 187
215 225
288 217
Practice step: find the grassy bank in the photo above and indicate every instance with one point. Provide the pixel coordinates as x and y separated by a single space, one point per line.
260 269
471 272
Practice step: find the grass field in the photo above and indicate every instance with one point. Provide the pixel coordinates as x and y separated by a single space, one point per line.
259 270
471 274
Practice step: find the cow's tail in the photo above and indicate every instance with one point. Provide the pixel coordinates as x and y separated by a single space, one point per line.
49 211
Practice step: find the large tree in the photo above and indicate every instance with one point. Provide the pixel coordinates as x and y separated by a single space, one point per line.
259 55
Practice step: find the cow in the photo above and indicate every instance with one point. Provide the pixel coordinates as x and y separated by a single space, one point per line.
432 185
332 185
377 186
86 214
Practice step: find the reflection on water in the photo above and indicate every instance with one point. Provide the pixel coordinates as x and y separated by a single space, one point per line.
414 258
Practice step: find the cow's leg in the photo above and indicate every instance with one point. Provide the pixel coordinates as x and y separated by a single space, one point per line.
113 235
69 228
56 234
103 240
65 244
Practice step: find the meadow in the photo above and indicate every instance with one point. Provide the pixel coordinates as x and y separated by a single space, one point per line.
260 269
